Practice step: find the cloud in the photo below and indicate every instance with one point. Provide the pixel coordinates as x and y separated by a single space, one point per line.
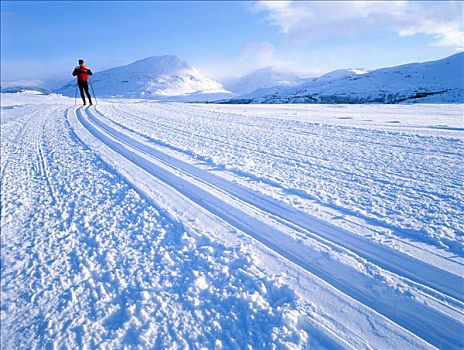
256 55
259 54
303 21
262 54
252 55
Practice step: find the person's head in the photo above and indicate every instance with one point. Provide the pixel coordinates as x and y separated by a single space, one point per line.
81 62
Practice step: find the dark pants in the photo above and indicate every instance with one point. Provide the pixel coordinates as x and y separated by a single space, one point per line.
83 85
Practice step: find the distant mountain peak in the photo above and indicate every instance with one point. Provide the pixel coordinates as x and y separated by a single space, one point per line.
342 73
156 77
172 58
156 65
263 78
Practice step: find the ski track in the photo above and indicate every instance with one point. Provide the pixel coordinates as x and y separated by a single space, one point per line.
381 255
376 230
166 146
121 228
392 188
292 250
89 262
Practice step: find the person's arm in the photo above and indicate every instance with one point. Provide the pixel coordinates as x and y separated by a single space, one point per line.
75 72
89 72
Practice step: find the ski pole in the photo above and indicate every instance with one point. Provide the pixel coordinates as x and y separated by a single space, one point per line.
93 91
75 96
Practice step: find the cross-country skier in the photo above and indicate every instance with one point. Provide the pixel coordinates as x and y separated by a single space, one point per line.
82 72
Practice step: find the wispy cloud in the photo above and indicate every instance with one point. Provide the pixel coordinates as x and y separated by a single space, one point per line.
303 21
258 54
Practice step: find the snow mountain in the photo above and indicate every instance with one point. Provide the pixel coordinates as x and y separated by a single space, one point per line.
22 89
339 74
157 77
262 78
431 82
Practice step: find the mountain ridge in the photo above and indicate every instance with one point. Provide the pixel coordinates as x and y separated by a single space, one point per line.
168 78
433 81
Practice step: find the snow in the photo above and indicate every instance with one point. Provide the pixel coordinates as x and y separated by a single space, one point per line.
428 82
135 223
339 74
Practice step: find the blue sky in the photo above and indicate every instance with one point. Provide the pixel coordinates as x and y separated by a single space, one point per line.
41 41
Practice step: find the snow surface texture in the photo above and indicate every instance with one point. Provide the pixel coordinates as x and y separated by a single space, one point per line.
157 77
428 82
169 225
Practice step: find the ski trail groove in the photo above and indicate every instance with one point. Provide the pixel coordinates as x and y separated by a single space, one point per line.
435 327
162 145
383 256
43 170
232 189
240 145
20 134
398 230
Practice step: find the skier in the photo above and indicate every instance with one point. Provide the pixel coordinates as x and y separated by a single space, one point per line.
82 72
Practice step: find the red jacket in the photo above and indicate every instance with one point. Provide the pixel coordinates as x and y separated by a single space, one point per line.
82 73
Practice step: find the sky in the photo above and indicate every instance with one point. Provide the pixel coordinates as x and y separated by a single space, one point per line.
42 40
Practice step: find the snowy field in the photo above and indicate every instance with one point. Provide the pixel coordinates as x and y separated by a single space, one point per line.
134 223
